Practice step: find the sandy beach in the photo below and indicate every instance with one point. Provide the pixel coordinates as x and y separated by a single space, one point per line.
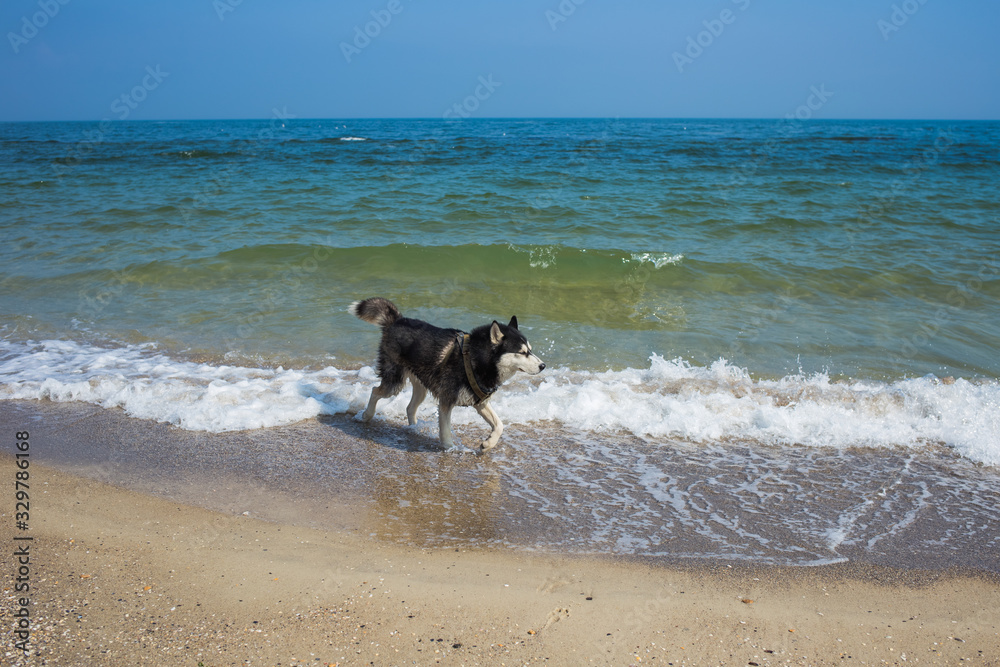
748 395
119 577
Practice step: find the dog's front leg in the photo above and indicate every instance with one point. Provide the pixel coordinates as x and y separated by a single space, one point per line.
487 413
444 425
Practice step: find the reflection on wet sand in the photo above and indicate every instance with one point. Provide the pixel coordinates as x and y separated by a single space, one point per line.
552 489
426 495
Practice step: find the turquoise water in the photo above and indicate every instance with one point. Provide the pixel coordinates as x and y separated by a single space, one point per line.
862 249
765 340
770 254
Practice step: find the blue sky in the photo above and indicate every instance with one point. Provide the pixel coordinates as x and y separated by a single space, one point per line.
190 59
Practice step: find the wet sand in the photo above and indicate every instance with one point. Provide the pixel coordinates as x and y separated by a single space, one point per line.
549 489
126 576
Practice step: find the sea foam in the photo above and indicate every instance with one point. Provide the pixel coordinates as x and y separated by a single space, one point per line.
670 399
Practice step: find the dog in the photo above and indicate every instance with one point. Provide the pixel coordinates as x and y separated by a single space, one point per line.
458 368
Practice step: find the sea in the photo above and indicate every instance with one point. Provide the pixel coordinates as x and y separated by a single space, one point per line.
766 341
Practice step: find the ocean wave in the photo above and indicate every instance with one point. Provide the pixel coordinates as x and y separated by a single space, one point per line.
670 400
327 140
509 263
196 153
149 385
658 260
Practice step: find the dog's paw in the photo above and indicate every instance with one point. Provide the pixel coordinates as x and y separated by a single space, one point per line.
552 584
555 616
360 417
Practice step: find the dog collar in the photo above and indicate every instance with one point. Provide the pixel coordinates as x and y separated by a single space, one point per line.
463 344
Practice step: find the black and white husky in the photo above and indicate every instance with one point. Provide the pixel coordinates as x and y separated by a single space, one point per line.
458 368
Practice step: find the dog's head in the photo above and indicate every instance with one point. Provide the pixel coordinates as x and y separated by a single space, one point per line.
514 350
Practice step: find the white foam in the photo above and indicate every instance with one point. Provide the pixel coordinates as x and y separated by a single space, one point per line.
672 399
149 385
657 260
669 399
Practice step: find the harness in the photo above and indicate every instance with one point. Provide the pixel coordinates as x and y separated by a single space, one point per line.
463 345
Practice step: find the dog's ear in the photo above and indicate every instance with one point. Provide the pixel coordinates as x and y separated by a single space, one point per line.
513 322
496 335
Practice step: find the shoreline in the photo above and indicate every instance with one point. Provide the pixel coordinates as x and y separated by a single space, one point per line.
123 578
548 490
174 570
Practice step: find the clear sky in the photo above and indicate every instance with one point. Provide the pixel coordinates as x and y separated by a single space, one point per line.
193 59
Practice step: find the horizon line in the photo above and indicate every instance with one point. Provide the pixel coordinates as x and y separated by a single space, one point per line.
514 118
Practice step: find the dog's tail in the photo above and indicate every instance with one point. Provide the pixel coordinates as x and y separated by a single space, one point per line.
376 310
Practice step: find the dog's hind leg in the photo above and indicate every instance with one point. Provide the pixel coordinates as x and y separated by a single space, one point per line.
491 417
377 394
392 382
444 425
419 394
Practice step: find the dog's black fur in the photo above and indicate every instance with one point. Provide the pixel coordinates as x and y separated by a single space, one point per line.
431 358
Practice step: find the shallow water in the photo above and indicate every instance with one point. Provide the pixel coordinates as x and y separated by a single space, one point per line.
862 249
765 341
552 490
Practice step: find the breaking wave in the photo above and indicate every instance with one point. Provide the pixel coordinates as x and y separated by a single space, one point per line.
670 399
